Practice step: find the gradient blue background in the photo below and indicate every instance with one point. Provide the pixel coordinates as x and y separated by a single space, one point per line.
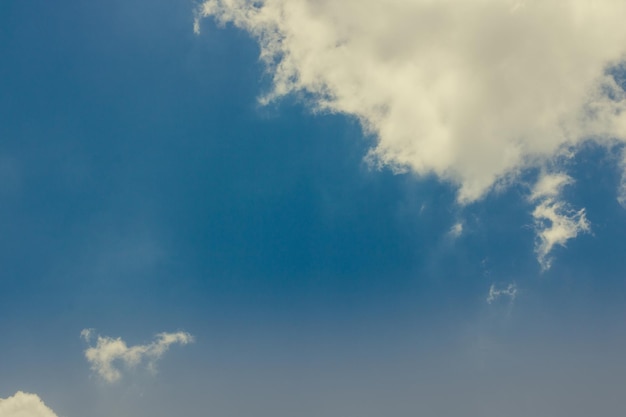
142 189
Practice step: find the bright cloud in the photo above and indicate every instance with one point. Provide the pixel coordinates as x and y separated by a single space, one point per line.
471 90
555 221
550 186
23 404
109 352
509 291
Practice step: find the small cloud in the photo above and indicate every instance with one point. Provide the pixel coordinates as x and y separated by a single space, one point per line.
510 291
550 186
23 404
555 221
456 231
108 352
86 334
556 224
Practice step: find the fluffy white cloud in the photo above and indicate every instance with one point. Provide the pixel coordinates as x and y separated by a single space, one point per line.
471 90
23 404
510 291
555 221
110 352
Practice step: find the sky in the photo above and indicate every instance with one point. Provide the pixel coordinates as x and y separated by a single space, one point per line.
311 208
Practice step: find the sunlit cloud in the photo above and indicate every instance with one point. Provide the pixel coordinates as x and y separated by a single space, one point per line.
474 91
109 353
555 221
24 404
456 230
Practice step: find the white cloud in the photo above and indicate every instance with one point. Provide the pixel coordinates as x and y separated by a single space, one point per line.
556 224
456 231
471 90
550 186
110 352
555 221
510 291
23 404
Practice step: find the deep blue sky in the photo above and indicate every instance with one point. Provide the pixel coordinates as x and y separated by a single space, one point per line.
142 189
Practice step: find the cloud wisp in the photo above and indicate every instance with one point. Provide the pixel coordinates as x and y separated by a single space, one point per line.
474 91
456 230
24 404
108 353
555 221
510 291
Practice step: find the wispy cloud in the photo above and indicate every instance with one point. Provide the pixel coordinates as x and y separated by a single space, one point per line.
555 221
23 404
621 194
110 352
549 185
456 230
510 291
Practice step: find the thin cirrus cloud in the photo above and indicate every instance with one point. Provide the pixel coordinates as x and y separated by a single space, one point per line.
109 353
510 291
24 404
456 230
474 91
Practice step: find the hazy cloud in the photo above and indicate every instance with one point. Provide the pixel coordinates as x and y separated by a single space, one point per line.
108 353
509 291
456 231
23 404
471 90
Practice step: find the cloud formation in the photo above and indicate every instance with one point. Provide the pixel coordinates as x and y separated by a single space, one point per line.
471 90
474 91
456 230
510 291
555 221
23 404
110 352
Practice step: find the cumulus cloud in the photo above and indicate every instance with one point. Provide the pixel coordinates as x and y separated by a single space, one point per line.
473 91
509 291
555 221
108 353
23 404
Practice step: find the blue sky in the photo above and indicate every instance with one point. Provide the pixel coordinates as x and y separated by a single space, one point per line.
302 244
